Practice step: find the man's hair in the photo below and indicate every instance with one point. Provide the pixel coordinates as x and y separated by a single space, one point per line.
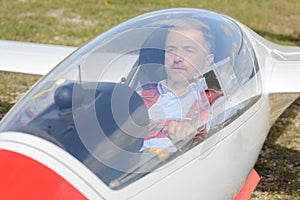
195 24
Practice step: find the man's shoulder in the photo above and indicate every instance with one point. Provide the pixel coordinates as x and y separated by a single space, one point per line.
213 94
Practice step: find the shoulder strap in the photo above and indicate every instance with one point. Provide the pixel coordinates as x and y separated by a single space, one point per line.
196 112
150 96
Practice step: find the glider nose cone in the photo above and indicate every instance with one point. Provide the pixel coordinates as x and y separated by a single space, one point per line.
24 178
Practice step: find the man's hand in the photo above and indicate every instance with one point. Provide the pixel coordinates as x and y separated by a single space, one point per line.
182 130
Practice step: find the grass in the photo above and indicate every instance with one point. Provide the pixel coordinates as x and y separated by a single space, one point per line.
74 22
279 161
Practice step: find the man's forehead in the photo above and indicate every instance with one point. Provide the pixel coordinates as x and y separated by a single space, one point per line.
188 37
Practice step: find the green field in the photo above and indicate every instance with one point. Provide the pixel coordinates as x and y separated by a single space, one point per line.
74 22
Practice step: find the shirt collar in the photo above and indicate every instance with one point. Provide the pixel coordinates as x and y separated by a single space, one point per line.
194 86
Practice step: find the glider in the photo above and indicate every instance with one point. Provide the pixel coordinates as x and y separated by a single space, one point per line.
77 134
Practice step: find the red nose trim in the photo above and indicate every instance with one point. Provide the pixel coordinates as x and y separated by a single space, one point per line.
24 178
248 186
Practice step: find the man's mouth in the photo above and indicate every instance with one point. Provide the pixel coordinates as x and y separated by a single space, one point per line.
178 68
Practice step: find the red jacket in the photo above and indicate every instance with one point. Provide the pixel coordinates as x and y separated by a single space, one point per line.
160 129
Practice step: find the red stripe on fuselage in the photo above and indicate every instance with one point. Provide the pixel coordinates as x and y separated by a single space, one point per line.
24 178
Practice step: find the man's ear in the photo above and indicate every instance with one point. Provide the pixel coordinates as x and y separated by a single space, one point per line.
209 59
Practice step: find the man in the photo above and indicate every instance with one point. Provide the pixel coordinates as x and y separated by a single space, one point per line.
180 110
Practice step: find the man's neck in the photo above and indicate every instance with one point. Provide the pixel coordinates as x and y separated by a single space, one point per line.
177 87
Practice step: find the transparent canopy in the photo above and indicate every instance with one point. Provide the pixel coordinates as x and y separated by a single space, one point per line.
95 104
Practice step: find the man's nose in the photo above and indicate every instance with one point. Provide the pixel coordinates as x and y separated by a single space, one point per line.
177 57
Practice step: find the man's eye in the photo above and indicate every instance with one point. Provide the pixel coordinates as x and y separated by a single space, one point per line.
170 50
190 50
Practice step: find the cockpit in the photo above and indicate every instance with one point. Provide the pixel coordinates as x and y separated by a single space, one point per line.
95 104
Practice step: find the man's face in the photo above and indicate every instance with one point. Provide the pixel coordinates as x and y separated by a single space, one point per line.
185 55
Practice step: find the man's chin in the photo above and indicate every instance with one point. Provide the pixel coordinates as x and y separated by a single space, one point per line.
180 80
